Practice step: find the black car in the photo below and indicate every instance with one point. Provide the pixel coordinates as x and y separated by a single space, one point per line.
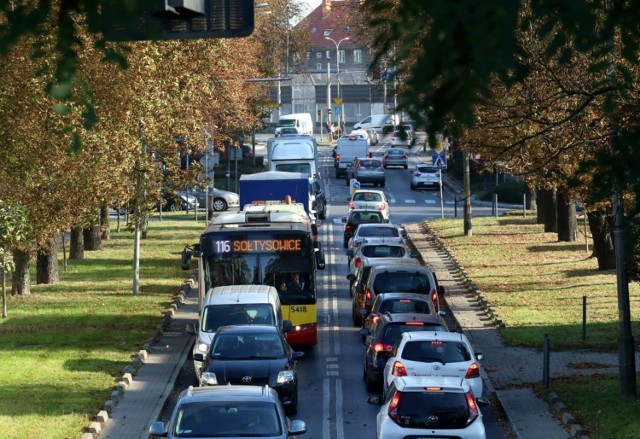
252 354
357 217
320 201
381 338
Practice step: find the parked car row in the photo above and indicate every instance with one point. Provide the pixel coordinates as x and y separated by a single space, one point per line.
429 377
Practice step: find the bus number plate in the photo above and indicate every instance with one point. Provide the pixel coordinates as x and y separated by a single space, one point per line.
298 309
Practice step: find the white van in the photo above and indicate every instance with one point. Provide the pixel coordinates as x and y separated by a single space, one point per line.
347 149
377 122
293 154
300 121
236 305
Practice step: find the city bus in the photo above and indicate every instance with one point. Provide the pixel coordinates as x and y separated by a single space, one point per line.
266 245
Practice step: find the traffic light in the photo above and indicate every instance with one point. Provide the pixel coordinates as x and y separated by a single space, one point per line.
328 110
125 20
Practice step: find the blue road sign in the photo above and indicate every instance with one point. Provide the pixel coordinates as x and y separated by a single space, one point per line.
439 161
338 109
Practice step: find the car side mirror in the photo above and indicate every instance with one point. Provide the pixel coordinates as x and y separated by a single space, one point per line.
185 260
440 290
198 356
351 277
414 254
442 313
297 355
365 331
344 219
287 326
157 429
479 356
375 400
350 253
364 312
191 329
483 401
359 288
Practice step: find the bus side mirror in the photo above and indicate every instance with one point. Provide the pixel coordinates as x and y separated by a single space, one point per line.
314 229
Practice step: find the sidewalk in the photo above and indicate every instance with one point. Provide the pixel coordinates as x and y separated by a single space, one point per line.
509 372
136 403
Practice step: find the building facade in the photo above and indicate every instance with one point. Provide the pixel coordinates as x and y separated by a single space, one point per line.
347 87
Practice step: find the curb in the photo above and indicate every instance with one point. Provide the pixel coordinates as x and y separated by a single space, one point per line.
93 430
556 407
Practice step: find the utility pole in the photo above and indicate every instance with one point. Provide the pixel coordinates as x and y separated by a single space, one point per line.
138 214
626 344
466 182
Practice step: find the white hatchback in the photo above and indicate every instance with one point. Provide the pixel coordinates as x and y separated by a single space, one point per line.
428 353
370 200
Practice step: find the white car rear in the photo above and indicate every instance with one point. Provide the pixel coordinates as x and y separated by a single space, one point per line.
427 353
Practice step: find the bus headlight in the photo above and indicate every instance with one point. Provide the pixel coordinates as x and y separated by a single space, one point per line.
209 379
285 376
202 348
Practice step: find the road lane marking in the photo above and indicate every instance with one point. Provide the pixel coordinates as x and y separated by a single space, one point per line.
339 415
430 201
326 400
410 201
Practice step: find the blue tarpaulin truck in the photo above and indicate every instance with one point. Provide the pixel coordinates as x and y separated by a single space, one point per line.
275 185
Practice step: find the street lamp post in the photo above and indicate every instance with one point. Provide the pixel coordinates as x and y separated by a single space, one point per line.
337 44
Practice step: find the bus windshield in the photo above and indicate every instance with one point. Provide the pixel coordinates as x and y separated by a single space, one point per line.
265 269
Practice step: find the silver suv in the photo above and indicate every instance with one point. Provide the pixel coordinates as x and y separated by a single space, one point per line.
228 411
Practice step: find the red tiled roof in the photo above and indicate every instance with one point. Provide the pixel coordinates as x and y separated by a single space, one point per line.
336 19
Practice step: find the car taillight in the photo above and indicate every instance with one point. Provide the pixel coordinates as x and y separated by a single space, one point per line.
382 347
351 205
374 319
434 299
393 408
473 408
367 298
383 206
473 371
357 262
416 174
348 228
398 369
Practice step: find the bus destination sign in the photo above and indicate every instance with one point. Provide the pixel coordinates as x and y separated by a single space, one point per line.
258 245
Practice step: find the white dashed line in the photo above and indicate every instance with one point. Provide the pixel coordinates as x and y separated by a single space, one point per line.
410 201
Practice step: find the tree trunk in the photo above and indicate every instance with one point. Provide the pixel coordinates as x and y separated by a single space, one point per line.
92 240
47 263
21 282
76 246
532 199
566 218
600 226
105 228
547 208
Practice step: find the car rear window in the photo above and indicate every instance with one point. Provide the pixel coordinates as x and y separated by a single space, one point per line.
381 232
365 218
405 306
401 282
215 316
395 152
383 251
367 196
428 351
393 331
433 410
428 169
371 163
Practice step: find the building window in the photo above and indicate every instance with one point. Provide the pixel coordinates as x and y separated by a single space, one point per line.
319 55
328 54
357 56
341 56
319 66
308 56
327 32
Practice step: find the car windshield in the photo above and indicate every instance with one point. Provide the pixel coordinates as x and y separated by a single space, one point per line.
367 196
304 168
383 251
433 410
215 316
428 351
214 419
239 346
402 282
428 169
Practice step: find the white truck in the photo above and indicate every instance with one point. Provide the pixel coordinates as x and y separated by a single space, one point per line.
293 154
347 149
302 122
378 122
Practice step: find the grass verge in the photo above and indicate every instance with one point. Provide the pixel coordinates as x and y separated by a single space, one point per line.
64 347
536 285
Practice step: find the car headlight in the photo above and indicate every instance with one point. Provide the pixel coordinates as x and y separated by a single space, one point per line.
209 379
285 376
